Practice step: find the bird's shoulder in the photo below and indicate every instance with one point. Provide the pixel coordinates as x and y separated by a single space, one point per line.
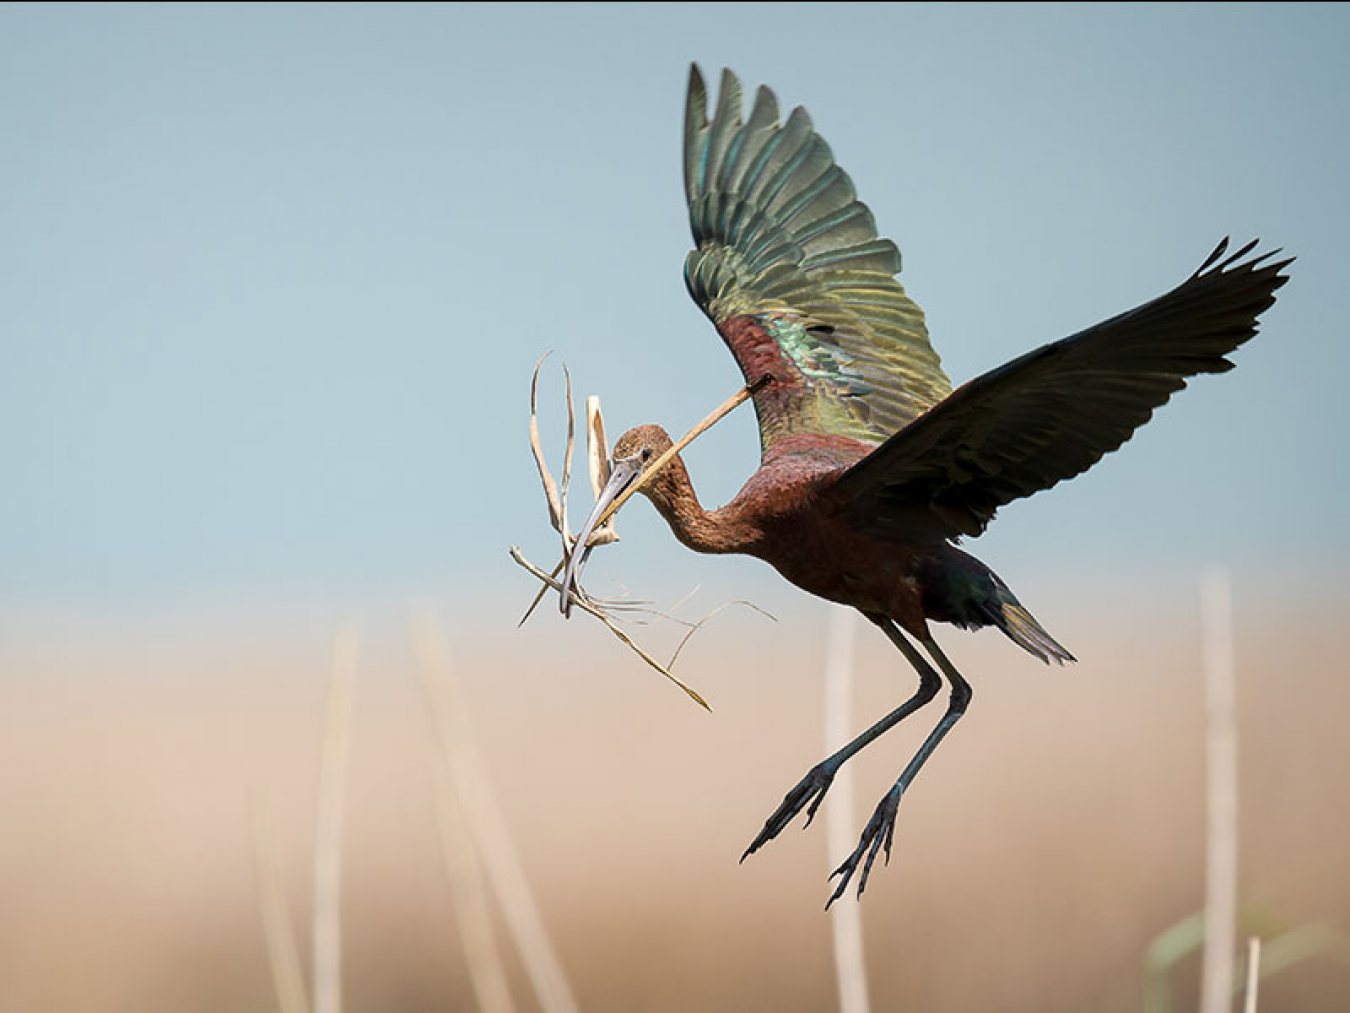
797 468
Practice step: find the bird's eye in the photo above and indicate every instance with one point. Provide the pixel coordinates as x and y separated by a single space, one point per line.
646 454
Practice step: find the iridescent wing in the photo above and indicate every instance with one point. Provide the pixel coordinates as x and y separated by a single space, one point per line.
788 266
1054 412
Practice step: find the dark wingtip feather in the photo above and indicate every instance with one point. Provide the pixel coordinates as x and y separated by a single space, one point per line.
1217 263
1213 257
1240 254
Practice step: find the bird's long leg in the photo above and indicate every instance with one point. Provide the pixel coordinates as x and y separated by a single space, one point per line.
811 789
880 829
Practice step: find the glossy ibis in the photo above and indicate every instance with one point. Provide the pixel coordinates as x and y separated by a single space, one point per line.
872 467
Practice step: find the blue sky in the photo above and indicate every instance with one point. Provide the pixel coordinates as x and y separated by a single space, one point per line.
272 279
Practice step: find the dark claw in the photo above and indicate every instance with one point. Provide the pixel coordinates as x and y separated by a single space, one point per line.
878 834
810 789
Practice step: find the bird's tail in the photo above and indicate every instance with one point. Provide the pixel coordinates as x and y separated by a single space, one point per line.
1023 629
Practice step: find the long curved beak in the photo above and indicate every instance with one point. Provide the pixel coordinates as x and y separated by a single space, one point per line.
624 473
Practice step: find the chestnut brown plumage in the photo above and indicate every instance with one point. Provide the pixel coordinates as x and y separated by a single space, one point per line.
872 467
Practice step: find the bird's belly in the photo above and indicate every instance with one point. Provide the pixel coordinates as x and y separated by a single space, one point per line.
840 566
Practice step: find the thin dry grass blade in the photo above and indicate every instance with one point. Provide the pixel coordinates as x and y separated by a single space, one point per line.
328 826
598 464
697 624
713 417
556 518
283 953
550 582
597 454
464 764
564 530
597 447
609 624
845 919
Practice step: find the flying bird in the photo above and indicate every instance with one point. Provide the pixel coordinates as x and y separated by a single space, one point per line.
872 467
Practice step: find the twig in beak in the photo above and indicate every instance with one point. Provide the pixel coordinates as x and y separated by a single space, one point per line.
597 455
713 417
597 460
586 606
568 542
556 518
602 530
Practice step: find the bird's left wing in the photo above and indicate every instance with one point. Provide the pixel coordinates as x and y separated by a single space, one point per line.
789 267
1054 412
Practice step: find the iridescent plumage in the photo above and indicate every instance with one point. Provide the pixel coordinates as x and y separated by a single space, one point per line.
789 268
872 467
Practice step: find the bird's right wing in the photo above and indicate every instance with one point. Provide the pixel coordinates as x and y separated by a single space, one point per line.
1054 412
789 268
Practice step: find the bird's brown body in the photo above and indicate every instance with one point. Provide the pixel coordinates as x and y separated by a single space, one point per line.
784 516
872 466
778 517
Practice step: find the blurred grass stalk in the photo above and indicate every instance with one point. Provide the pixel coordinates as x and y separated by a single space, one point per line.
1253 974
469 895
327 928
288 975
1221 869
468 886
476 812
845 919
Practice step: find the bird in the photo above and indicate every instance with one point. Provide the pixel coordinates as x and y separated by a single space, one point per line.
872 467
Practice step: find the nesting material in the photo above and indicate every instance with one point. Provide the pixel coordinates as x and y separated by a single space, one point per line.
555 496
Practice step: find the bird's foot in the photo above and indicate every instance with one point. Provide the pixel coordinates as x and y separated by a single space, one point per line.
810 790
878 833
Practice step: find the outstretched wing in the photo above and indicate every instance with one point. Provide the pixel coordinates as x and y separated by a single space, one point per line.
788 266
1054 412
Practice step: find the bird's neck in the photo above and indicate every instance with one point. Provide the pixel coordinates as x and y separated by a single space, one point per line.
720 531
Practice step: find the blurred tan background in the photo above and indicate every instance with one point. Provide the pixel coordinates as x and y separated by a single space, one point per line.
272 281
1053 837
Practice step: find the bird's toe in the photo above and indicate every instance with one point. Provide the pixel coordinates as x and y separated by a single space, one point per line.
876 836
806 794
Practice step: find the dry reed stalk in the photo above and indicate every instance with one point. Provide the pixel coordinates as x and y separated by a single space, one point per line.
288 975
468 886
550 493
624 638
598 466
597 448
469 895
557 517
1216 621
1253 974
568 541
555 499
327 929
464 765
846 919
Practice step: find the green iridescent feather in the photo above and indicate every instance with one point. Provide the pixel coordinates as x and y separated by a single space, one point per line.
781 237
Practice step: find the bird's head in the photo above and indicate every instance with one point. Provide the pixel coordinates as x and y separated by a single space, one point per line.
639 447
634 452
